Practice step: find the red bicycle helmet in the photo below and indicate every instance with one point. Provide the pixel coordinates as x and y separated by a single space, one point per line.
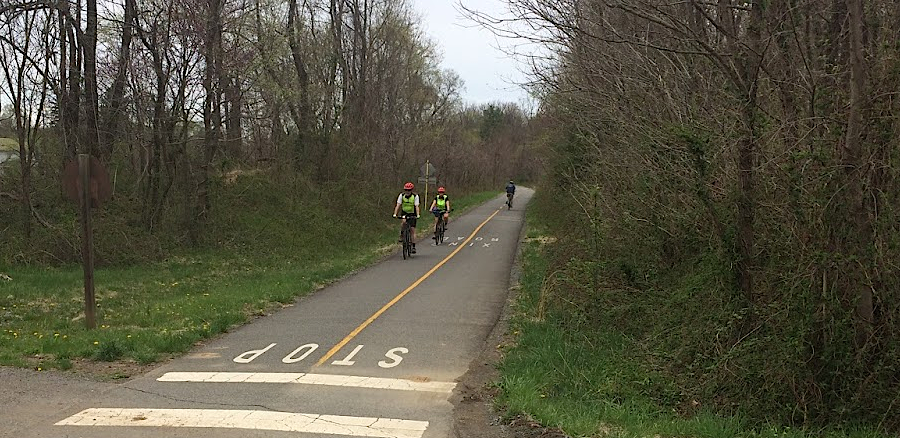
408 186
441 190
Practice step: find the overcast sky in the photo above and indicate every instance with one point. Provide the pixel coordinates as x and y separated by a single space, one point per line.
489 74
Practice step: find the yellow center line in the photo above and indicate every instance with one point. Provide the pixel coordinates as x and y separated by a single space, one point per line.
372 318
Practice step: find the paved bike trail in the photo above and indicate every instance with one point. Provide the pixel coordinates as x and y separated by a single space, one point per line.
376 354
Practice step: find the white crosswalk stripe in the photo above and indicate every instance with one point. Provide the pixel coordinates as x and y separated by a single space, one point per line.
309 379
250 419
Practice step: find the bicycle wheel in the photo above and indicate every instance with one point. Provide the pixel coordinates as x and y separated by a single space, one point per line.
441 229
408 243
438 237
405 241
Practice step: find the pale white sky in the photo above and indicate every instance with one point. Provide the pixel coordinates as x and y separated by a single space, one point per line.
473 52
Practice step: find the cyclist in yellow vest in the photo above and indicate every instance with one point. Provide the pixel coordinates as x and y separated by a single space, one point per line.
441 206
408 206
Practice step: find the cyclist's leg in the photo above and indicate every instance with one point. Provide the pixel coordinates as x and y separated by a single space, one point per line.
411 220
412 234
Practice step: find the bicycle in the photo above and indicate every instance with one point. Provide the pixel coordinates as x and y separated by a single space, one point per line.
439 229
509 198
405 238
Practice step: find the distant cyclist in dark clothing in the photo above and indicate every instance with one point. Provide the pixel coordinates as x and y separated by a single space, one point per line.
510 192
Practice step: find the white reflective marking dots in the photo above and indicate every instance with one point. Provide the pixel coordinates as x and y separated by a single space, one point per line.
482 240
248 419
312 379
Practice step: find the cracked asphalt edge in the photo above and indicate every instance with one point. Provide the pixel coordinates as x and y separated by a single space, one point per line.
196 401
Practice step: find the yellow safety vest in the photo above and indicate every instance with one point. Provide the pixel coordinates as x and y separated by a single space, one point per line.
441 202
408 204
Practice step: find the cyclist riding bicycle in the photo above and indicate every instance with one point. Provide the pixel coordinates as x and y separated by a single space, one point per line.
441 206
408 205
510 191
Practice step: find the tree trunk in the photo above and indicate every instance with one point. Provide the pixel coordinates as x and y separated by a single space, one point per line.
337 34
855 171
89 47
158 137
233 123
212 113
63 86
112 114
69 79
24 164
751 60
300 67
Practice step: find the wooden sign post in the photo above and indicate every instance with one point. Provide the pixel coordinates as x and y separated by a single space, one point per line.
428 177
87 241
86 181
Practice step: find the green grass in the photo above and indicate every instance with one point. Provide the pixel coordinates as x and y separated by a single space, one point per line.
151 311
592 381
460 205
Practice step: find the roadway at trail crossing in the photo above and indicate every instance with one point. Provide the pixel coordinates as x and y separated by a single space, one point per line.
377 354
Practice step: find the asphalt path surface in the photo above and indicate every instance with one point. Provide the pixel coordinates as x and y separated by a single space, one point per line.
376 354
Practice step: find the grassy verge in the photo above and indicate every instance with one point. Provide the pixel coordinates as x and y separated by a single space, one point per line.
154 310
590 380
464 203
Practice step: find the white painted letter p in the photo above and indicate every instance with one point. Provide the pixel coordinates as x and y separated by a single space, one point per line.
252 354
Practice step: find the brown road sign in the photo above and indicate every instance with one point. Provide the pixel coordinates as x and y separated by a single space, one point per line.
100 188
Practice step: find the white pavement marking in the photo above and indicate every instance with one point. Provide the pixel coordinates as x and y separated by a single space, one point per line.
246 419
309 379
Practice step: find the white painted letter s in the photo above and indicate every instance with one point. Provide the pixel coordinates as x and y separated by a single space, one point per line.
392 354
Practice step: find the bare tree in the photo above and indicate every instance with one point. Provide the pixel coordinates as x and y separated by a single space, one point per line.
113 109
25 59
